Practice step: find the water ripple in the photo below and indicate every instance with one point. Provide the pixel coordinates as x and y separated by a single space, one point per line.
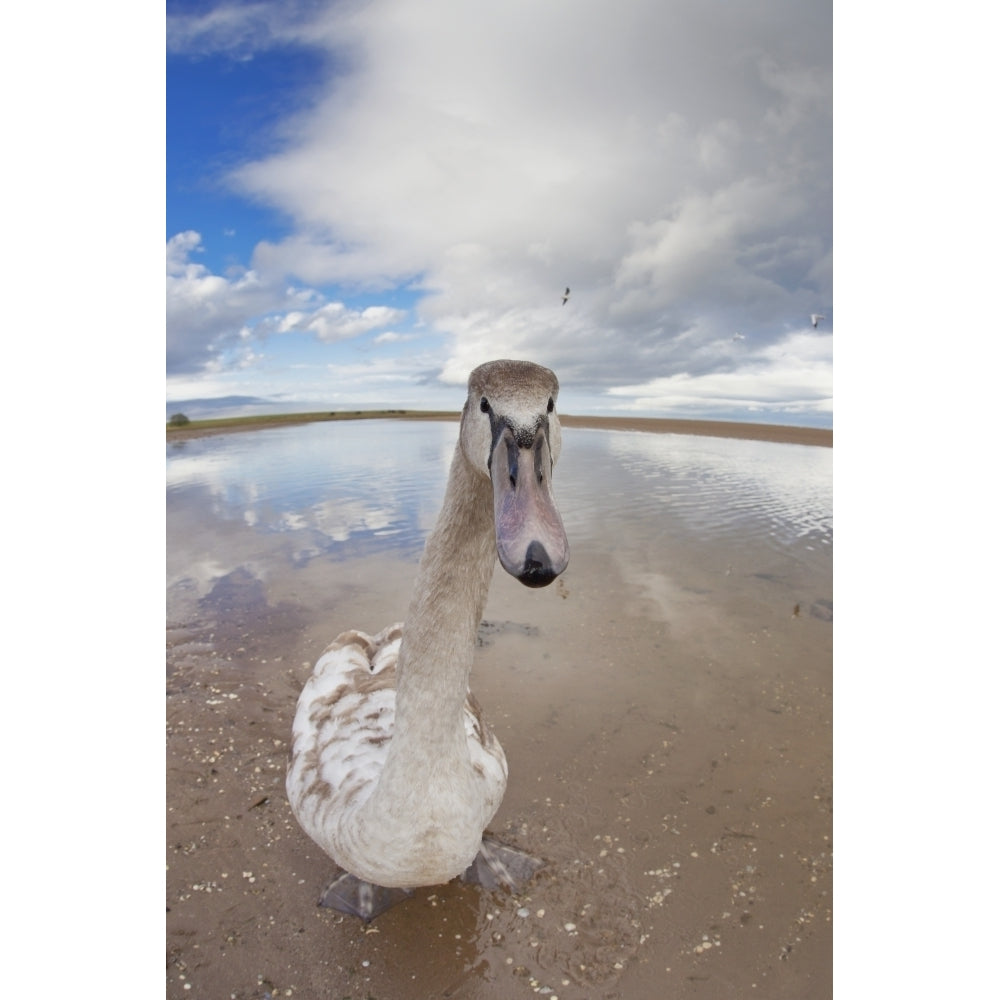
377 485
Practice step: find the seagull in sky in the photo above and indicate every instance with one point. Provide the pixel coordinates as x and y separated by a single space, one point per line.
815 317
738 336
565 296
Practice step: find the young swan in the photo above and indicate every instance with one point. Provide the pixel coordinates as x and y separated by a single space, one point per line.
393 771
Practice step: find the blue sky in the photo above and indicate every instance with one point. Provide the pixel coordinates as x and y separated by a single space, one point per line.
364 201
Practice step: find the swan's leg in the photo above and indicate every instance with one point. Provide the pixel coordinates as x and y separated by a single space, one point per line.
499 866
352 895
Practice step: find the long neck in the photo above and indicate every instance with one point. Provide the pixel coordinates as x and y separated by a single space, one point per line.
439 634
423 821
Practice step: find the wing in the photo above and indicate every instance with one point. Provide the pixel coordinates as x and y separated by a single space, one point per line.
488 758
342 728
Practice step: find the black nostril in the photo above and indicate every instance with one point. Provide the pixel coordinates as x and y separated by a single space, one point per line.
512 467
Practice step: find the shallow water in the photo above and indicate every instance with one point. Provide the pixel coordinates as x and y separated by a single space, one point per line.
316 484
665 708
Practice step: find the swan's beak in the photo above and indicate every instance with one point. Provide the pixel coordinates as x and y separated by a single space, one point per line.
531 540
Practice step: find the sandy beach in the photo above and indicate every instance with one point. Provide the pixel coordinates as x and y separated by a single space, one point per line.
687 841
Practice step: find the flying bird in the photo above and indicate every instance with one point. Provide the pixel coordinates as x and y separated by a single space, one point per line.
565 296
815 317
738 336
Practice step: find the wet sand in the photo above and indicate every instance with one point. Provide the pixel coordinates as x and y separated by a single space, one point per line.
670 759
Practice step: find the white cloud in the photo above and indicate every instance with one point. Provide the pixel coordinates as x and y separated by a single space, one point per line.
331 322
391 337
241 28
792 376
212 319
336 322
207 312
667 159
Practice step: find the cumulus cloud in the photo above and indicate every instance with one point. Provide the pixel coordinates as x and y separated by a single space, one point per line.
207 313
333 321
667 159
789 377
215 321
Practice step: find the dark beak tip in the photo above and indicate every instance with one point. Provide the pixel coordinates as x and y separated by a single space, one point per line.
538 570
537 577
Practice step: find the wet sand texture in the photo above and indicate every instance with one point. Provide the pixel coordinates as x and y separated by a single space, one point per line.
669 743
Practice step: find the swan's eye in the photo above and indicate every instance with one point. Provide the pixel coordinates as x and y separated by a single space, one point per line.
551 405
484 405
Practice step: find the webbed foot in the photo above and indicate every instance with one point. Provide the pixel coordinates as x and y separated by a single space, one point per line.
352 895
499 866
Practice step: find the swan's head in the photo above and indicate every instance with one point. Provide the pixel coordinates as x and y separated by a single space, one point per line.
510 432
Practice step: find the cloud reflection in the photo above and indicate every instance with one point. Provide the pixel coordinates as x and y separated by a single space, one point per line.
717 486
352 490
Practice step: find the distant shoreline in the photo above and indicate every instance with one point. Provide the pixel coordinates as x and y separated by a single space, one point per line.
817 436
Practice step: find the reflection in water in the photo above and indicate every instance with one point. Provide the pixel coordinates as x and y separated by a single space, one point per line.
368 486
664 706
345 489
711 487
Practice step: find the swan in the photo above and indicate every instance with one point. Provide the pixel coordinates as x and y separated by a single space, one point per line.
393 771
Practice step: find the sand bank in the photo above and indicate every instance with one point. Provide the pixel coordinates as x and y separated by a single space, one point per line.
655 425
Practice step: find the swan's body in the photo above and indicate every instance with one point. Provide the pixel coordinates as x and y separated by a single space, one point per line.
393 771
